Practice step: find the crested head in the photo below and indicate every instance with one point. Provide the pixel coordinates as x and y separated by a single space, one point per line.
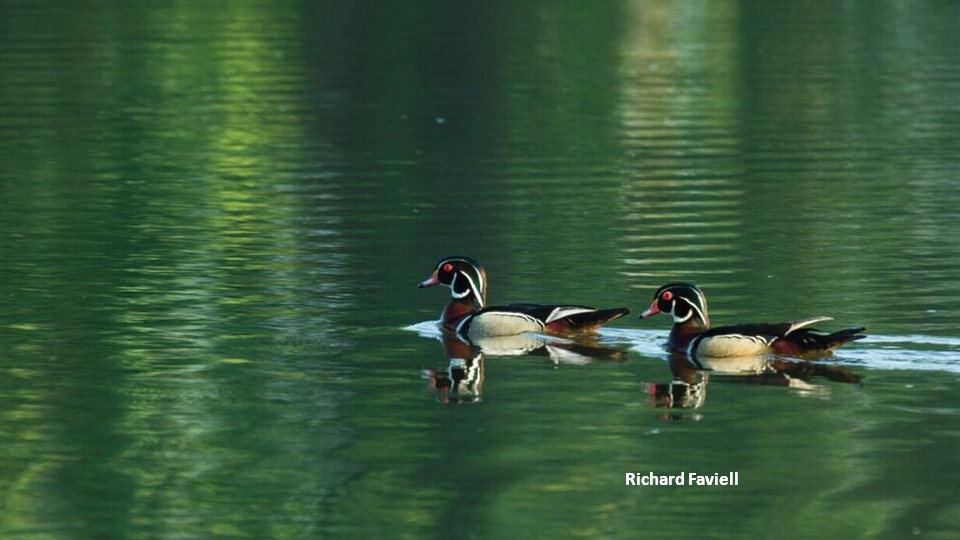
465 277
682 301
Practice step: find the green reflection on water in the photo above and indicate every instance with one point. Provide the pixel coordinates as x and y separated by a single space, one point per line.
213 216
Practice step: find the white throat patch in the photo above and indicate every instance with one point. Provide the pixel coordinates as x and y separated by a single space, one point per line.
472 288
693 307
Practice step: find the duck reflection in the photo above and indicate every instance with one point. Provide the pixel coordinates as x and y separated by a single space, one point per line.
462 380
688 388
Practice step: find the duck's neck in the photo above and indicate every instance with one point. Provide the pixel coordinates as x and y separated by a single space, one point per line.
683 333
457 309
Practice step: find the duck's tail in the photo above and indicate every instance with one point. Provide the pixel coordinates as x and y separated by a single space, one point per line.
586 321
842 337
810 341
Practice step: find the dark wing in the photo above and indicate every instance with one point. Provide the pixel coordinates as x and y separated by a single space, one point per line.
767 331
563 318
791 337
545 313
770 331
810 341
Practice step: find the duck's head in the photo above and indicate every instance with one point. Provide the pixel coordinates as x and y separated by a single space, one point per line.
682 301
464 276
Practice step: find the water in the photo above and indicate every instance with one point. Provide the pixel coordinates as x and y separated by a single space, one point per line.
213 216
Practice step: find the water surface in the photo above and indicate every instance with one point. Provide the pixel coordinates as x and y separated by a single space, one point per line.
213 216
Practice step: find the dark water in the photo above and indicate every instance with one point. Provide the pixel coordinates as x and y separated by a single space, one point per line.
213 215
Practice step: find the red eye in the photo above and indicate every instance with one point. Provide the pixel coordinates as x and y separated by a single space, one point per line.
666 296
447 267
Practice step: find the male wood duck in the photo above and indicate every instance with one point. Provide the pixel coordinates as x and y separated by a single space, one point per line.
468 315
693 336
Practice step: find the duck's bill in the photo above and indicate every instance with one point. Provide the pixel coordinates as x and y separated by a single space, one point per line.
429 282
650 312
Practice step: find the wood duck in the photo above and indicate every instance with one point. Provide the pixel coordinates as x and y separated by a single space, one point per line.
468 315
692 335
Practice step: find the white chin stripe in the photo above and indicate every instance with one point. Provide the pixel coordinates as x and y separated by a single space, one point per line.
693 307
478 292
453 289
472 288
703 302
